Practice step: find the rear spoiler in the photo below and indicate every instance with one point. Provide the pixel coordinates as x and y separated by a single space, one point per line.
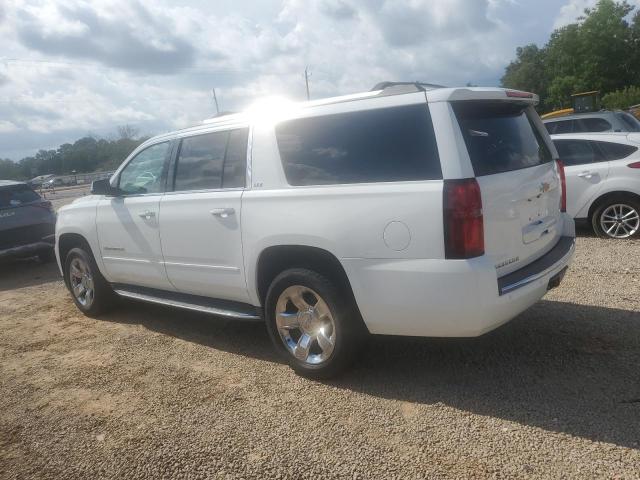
481 93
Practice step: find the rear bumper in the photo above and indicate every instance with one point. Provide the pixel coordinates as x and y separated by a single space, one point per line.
449 298
558 255
29 249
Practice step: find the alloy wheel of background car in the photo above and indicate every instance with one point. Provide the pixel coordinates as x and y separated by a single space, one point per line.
81 282
305 324
620 220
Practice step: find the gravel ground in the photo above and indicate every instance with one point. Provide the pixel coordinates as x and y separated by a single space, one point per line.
148 392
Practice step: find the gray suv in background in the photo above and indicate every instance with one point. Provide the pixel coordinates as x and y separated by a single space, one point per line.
27 222
605 121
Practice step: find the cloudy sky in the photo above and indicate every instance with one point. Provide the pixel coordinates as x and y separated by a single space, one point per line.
75 67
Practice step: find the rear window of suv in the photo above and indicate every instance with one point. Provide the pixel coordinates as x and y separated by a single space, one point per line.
380 145
500 137
17 195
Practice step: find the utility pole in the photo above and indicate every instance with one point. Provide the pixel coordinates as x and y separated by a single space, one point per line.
215 99
306 80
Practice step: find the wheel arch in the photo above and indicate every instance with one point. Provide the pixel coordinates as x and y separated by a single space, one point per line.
277 258
70 240
605 197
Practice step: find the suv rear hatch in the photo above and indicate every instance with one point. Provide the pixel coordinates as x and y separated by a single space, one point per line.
24 216
518 179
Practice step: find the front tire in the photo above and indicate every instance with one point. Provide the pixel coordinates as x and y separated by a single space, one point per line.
618 218
312 323
90 291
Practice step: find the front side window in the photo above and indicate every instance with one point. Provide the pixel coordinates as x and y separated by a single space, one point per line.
616 151
577 152
212 161
144 173
382 145
500 136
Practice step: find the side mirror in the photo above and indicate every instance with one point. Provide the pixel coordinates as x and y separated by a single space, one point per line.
103 187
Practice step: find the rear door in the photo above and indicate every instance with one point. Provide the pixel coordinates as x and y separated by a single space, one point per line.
200 218
586 169
518 180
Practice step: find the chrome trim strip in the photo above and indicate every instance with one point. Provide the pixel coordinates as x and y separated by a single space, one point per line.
186 306
537 276
198 265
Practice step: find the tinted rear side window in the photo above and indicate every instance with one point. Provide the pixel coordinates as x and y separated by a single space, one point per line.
577 152
593 124
16 196
563 126
630 122
382 145
500 137
616 151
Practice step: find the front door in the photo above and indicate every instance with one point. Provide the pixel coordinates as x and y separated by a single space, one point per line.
128 229
200 218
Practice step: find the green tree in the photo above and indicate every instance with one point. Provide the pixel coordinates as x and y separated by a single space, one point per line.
600 51
622 98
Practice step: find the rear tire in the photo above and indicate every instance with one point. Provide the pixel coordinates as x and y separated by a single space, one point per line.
312 323
91 293
617 218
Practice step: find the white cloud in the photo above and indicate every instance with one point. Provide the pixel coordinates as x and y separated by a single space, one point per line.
78 66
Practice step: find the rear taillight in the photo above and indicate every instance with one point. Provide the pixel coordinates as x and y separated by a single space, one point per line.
634 165
563 184
463 223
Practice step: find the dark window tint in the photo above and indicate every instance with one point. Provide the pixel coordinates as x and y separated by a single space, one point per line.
382 145
16 196
577 152
562 126
144 173
200 162
212 161
593 124
500 137
615 151
630 122
235 163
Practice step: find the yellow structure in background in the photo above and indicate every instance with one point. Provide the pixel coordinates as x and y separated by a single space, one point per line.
582 102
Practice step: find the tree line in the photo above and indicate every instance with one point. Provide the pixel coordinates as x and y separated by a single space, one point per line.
600 51
88 154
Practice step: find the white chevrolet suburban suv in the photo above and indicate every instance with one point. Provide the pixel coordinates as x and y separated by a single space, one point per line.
406 210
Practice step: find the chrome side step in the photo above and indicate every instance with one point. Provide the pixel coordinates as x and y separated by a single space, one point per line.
222 308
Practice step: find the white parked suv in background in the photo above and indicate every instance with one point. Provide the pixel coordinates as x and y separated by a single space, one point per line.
603 180
407 210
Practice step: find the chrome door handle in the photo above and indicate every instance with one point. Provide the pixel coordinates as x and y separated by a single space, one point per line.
222 212
148 215
586 174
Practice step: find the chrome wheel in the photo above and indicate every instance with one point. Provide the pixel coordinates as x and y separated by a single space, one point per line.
620 220
81 282
305 324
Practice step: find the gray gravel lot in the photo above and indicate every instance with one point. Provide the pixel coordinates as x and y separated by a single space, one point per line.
148 392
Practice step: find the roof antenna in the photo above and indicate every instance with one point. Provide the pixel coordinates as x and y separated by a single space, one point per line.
215 99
